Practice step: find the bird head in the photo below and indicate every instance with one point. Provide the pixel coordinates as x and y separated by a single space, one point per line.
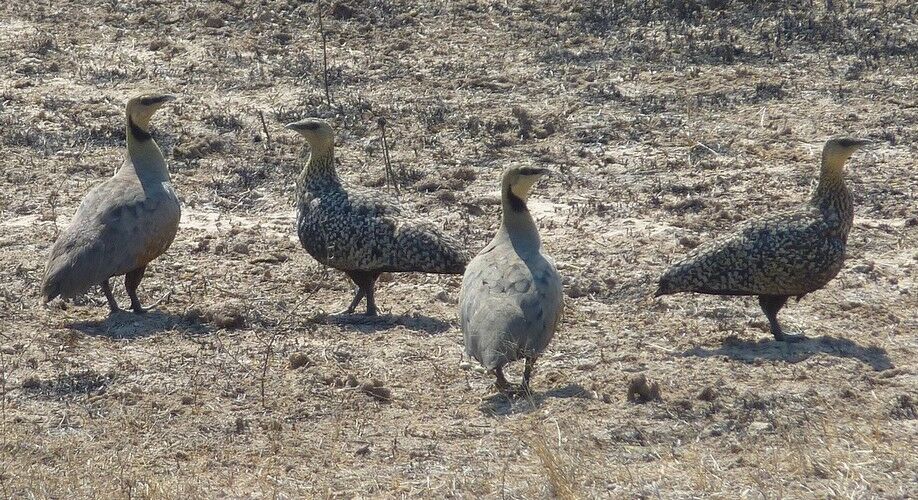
837 151
520 179
142 107
317 132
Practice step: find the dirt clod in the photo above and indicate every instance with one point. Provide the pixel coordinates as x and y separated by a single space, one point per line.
299 360
708 394
228 316
376 390
640 390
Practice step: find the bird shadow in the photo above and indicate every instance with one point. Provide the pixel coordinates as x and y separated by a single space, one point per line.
370 324
500 405
751 351
127 325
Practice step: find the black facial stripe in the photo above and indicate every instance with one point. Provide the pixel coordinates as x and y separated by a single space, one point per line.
138 133
516 204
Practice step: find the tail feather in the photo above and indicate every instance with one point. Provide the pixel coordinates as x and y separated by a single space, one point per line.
425 249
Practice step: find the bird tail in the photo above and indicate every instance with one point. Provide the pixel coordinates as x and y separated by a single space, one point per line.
49 289
425 249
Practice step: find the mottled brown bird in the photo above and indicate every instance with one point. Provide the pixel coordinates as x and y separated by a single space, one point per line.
123 223
511 297
360 231
790 253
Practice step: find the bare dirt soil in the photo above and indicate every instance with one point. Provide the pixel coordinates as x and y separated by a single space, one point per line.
667 121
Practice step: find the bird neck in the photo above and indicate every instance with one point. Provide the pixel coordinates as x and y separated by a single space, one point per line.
832 196
145 158
320 165
517 224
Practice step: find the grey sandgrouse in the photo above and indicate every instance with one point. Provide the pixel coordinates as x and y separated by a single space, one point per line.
360 231
790 253
123 223
511 296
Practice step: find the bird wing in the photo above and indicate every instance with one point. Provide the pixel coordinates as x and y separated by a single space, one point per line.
356 229
119 227
509 307
422 247
790 253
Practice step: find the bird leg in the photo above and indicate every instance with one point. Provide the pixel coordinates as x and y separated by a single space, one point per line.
107 290
371 301
501 382
512 390
365 281
771 304
527 373
131 282
358 296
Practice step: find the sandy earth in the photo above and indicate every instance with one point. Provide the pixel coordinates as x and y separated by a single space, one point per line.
667 122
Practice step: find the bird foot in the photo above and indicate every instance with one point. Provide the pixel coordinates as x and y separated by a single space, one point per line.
514 391
352 318
344 312
789 338
350 312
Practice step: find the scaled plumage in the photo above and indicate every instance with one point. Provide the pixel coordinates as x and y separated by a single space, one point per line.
511 297
790 253
123 223
359 231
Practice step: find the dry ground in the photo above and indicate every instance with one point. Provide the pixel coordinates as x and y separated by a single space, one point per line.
668 121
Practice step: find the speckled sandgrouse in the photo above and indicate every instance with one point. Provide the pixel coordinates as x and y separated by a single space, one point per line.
123 223
511 296
790 253
360 231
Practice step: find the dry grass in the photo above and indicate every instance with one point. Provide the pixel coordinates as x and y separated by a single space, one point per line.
666 121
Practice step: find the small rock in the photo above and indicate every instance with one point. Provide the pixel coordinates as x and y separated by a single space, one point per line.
299 360
342 11
213 22
241 248
759 427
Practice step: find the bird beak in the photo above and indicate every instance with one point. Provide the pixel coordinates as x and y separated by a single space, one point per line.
167 98
544 172
293 126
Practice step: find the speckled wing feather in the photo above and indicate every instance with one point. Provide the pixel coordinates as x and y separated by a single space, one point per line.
118 227
509 307
360 230
790 253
